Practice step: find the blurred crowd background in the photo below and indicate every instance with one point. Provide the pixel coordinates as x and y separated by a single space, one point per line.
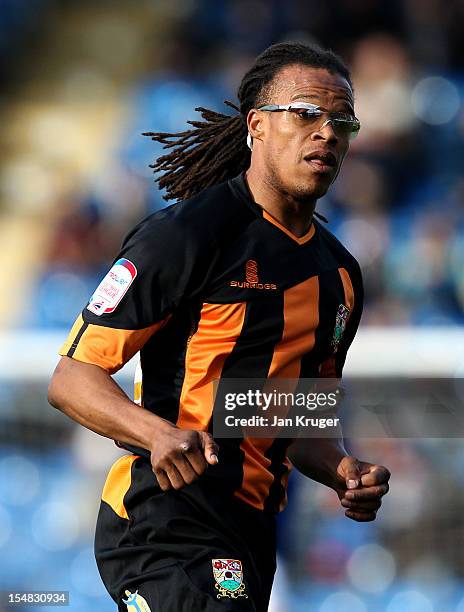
81 80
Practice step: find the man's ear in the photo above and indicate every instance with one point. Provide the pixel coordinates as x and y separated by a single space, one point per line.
255 120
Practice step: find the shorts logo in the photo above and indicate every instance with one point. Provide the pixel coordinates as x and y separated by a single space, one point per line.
340 323
252 278
135 602
113 287
228 574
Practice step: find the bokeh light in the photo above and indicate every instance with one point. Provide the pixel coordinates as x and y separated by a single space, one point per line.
412 601
55 526
19 480
5 526
343 601
435 100
371 568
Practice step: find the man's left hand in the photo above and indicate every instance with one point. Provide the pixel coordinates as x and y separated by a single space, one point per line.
360 487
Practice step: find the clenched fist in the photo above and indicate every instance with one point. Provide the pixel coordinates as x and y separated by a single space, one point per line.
179 456
360 487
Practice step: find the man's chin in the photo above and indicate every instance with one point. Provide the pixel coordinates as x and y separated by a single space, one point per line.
312 190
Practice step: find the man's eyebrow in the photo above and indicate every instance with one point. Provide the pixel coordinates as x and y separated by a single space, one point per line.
315 97
308 96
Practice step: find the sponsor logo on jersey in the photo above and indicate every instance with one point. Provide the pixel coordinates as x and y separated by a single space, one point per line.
113 287
135 602
251 271
252 278
228 576
340 323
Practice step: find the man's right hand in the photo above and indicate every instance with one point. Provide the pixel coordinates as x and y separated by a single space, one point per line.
87 394
179 456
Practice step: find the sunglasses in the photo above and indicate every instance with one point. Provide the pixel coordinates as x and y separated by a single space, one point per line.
344 124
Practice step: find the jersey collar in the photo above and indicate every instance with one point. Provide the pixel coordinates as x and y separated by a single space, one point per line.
239 186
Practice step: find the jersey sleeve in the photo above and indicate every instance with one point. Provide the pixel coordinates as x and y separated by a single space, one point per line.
160 265
354 298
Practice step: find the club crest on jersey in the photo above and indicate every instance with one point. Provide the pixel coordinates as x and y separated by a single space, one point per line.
228 574
113 287
135 602
340 323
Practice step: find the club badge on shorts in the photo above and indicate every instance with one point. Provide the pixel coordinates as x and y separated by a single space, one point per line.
228 574
340 323
135 602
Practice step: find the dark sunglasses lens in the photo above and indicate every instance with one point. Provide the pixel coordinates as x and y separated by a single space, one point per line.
346 127
309 115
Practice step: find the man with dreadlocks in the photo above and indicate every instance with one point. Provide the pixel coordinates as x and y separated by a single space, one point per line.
237 279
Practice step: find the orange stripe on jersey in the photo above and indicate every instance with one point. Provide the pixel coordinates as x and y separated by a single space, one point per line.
301 318
117 484
218 330
138 384
138 393
257 478
107 347
301 240
348 288
284 482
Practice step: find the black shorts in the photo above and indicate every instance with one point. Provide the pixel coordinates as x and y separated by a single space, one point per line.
191 550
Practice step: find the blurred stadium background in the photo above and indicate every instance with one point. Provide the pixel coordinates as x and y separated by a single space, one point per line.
81 81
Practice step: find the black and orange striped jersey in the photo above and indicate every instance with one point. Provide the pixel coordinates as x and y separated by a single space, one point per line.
215 287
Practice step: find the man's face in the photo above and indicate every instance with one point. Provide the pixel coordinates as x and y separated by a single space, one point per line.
289 145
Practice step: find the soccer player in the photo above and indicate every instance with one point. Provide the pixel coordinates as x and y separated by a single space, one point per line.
237 279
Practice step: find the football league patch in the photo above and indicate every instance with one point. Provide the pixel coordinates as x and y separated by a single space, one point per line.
135 602
113 287
228 574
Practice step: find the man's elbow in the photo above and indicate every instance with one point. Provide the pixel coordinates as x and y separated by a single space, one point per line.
55 395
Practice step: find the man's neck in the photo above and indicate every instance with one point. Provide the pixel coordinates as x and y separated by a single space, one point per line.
293 214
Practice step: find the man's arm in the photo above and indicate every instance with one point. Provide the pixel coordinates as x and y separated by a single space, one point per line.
318 458
161 264
87 394
358 484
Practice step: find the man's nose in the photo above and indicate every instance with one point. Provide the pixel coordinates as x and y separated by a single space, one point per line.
326 131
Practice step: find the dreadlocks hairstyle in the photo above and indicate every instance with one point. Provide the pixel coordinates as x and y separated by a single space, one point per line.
215 149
